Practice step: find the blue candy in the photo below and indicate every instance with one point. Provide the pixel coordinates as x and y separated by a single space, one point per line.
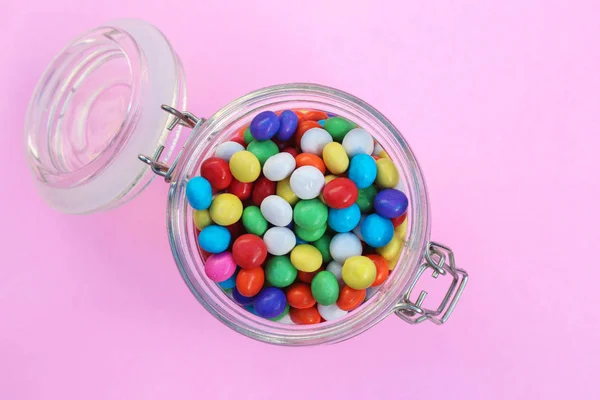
199 193
322 122
243 300
390 203
214 238
251 309
270 302
300 241
362 171
229 283
344 219
288 123
376 230
264 126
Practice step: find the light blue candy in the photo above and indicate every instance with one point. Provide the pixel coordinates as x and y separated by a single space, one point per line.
199 193
229 283
251 309
344 219
214 238
376 230
362 171
322 122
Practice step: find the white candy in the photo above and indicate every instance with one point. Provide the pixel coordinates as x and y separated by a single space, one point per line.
276 210
279 166
336 269
307 182
345 245
286 319
358 141
279 240
371 291
378 149
331 313
227 149
356 230
314 140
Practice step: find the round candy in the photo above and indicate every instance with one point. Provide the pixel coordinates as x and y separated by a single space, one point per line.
284 190
366 198
262 189
300 296
331 312
336 269
247 136
337 128
344 219
303 159
322 244
391 203
244 166
280 272
214 238
343 246
306 182
241 299
314 140
286 319
250 308
307 316
216 171
226 209
279 166
392 249
290 150
335 158
358 141
198 193
359 272
376 230
270 302
302 128
284 314
250 281
387 173
241 190
382 268
253 221
276 210
279 240
399 220
201 219
249 251
351 298
306 258
263 150
309 235
228 284
220 267
236 230
401 229
265 125
340 193
288 122
325 288
363 170
226 149
315 115
310 214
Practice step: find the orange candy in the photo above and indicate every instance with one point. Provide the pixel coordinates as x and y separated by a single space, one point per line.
350 298
300 296
314 160
306 316
314 115
301 116
303 127
249 281
382 268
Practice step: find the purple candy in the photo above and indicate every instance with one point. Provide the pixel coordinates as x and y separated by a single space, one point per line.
270 302
243 300
391 203
289 123
264 126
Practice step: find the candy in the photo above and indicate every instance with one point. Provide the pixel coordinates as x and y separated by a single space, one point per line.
291 151
358 141
315 115
285 319
276 210
250 281
362 170
229 283
280 272
377 149
336 269
284 313
357 231
344 219
270 302
310 214
391 203
279 167
198 193
376 231
262 150
306 182
325 288
307 316
247 136
288 122
220 267
253 221
359 272
201 219
249 251
303 159
279 240
331 312
265 125
226 209
338 128
322 244
263 188
308 234
284 190
366 198
241 299
241 190
306 258
392 249
214 238
350 298
387 173
340 193
244 166
299 296
216 171
401 229
314 140
382 268
335 158
226 149
343 246
307 277
302 128
398 220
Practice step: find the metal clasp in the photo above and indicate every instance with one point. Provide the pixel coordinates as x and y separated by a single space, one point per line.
184 118
441 260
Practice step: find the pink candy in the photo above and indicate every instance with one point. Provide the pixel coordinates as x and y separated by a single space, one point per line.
220 267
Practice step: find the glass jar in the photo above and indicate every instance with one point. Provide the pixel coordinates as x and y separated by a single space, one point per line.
95 114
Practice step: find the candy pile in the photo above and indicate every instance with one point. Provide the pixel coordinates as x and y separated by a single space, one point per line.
299 217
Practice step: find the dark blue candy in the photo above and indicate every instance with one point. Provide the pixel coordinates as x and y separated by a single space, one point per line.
376 230
270 302
243 300
391 203
288 124
264 126
344 219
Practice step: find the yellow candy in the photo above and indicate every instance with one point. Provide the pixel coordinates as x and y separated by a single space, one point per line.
392 263
244 166
226 209
387 173
284 190
359 272
328 179
335 157
401 229
306 258
392 249
201 219
383 154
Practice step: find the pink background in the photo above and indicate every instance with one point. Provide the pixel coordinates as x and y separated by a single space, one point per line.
499 100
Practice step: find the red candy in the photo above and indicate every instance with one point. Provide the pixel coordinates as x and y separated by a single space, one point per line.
236 229
350 298
300 296
242 190
340 193
216 171
290 150
399 220
262 188
383 269
314 115
303 127
306 316
249 281
307 277
249 251
301 116
238 139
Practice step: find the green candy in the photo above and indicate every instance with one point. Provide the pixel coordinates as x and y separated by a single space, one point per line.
322 244
253 221
248 136
308 234
263 149
325 288
280 272
366 198
283 314
310 214
338 127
